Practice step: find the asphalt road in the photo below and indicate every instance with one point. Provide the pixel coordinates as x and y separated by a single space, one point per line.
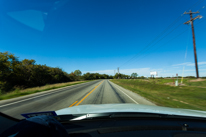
95 92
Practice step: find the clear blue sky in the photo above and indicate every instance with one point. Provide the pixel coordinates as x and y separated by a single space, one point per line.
101 35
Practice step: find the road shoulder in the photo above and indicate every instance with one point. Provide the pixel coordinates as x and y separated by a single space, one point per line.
38 94
133 96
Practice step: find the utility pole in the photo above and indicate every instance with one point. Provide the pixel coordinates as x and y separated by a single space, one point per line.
118 72
193 36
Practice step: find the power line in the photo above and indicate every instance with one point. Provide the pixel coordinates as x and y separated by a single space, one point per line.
185 58
172 39
176 36
155 39
172 24
193 36
196 4
163 37
201 8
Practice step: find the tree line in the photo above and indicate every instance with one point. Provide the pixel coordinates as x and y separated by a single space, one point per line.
26 73
15 73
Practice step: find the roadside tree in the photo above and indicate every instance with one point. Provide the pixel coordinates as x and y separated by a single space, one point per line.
134 75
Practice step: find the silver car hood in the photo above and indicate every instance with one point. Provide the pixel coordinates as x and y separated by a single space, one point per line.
105 108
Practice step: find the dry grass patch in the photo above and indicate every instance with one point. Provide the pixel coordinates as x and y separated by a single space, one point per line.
50 86
196 80
18 92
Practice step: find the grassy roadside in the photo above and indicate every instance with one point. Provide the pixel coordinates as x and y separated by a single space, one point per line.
189 97
18 92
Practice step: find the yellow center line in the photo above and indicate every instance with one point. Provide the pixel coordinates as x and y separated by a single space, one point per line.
73 103
88 94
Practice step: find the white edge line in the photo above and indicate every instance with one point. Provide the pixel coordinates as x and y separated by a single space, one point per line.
126 94
28 99
37 96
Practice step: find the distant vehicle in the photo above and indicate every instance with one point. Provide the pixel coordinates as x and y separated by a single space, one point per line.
109 120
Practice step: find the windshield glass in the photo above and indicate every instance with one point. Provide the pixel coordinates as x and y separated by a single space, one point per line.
58 54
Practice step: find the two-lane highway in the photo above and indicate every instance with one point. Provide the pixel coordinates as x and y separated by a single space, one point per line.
95 92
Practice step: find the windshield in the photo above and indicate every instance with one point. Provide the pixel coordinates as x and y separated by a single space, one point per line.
58 54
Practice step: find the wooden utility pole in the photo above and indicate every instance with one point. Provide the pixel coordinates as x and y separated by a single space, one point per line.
193 36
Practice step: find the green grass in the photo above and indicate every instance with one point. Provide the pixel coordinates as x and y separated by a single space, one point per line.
163 81
199 83
18 92
188 97
186 81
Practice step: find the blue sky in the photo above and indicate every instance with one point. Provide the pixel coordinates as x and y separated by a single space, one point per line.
101 35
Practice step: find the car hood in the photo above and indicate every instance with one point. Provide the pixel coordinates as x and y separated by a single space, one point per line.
106 108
